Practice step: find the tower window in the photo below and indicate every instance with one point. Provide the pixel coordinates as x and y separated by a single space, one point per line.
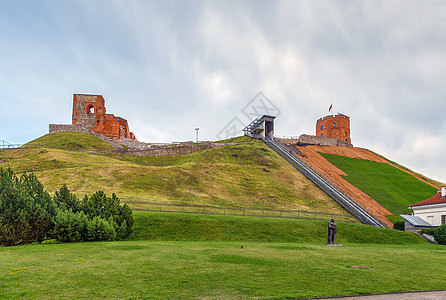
334 124
322 127
322 134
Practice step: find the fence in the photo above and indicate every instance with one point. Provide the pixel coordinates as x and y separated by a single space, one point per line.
237 211
6 145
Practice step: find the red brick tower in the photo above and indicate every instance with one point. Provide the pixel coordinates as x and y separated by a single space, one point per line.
89 111
337 127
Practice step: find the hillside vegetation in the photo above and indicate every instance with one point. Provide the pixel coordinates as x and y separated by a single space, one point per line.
241 175
157 226
70 140
391 187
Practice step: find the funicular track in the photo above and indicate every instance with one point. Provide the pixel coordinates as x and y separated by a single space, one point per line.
356 209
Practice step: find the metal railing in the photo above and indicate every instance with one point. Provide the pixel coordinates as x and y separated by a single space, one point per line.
6 145
356 209
236 211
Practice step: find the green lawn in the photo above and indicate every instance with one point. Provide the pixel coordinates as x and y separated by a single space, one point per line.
185 256
216 270
392 188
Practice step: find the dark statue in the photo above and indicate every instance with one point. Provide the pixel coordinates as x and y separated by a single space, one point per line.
331 232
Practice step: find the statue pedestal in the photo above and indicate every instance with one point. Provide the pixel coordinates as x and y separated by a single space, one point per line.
333 244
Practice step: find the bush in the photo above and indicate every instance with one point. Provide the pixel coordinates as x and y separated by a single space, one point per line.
399 225
439 233
112 214
66 200
109 209
70 227
26 210
100 229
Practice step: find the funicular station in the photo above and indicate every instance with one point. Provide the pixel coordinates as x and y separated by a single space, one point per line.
262 128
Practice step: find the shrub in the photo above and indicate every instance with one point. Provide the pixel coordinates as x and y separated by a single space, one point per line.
439 233
99 229
70 227
399 225
26 210
65 199
109 209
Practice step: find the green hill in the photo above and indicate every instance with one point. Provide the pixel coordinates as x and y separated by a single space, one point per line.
248 174
391 187
71 141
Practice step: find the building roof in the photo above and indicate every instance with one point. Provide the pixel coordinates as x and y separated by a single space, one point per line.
416 221
436 199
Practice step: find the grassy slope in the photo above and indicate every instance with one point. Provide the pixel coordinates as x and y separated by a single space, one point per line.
70 140
391 187
242 175
190 227
432 181
295 265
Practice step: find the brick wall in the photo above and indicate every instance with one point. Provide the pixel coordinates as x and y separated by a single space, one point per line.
337 127
89 111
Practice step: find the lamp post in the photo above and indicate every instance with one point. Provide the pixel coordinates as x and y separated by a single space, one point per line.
196 130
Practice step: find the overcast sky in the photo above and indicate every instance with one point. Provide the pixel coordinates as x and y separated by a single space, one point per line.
169 67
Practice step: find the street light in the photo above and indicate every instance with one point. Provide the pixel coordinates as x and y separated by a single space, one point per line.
196 130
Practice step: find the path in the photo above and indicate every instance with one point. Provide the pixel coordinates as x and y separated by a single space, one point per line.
428 295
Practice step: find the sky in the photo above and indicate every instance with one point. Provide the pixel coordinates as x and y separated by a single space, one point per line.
169 67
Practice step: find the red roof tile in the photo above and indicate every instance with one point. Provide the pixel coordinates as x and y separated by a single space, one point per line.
436 199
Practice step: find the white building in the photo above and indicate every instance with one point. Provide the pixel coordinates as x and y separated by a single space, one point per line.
432 210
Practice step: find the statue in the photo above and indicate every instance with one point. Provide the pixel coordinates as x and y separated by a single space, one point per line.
331 232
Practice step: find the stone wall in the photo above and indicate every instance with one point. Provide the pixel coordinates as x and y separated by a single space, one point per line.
167 150
305 139
139 148
410 227
285 141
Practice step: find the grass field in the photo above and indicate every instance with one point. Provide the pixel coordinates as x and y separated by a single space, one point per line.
197 269
392 188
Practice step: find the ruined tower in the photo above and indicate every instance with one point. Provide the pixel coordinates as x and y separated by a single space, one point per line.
89 111
337 127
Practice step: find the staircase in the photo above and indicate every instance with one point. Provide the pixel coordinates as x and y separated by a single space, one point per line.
357 210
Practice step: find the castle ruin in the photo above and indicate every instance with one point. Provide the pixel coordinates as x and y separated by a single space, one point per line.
89 111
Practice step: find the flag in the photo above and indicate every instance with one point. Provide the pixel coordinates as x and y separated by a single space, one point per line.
331 106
